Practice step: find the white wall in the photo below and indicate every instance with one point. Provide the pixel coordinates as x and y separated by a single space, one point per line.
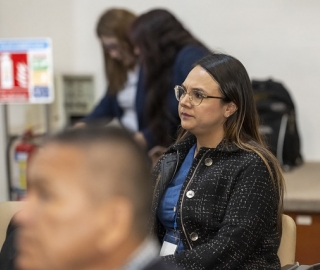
278 39
35 18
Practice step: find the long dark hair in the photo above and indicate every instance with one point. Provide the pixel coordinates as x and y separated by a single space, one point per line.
116 23
241 128
159 36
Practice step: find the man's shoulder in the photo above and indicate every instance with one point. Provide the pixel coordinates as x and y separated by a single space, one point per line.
158 264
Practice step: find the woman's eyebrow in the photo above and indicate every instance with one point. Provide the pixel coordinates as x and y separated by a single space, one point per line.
194 88
198 90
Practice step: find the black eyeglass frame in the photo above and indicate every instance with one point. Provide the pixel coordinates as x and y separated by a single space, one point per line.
177 87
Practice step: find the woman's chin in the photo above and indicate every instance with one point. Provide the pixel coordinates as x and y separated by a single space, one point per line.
187 127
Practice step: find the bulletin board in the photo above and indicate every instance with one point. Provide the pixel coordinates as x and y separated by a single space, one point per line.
26 74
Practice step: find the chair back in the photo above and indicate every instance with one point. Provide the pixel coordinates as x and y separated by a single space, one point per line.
7 210
287 248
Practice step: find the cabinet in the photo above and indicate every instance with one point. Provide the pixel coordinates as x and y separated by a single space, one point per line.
308 237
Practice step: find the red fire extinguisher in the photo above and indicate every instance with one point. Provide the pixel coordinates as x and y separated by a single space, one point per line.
22 153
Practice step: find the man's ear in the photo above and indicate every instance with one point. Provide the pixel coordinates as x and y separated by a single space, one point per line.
118 220
230 109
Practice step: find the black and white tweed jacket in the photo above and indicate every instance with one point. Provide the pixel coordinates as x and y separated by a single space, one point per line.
227 209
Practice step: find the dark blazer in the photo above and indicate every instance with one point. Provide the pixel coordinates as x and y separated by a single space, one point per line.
158 264
8 251
109 106
227 208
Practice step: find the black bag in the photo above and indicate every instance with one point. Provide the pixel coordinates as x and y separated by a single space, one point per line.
278 122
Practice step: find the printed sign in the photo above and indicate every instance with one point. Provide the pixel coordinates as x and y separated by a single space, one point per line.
26 71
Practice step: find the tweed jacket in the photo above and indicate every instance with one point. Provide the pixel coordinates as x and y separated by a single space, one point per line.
227 208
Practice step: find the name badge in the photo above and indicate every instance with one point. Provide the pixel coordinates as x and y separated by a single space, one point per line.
170 243
168 248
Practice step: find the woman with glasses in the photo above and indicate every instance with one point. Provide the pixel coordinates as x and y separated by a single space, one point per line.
218 191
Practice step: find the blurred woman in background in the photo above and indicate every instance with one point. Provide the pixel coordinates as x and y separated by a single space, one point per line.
121 70
167 52
144 58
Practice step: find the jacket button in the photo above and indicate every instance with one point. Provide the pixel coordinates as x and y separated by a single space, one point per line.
194 236
190 193
208 162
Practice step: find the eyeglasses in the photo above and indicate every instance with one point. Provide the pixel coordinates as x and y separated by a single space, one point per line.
195 96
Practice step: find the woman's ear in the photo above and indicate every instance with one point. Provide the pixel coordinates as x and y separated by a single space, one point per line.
230 109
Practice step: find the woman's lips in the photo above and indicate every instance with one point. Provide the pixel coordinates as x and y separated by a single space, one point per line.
186 115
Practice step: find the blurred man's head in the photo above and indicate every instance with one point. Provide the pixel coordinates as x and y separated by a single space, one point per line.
87 204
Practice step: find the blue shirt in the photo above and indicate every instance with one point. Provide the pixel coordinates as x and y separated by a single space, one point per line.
168 205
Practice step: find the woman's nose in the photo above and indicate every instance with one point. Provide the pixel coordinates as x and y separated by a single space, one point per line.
185 100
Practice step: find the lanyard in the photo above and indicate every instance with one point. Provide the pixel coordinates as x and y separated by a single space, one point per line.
175 225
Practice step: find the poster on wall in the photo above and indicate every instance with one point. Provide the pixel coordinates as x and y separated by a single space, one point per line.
26 72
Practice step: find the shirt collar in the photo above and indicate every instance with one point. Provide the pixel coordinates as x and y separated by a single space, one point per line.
223 146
